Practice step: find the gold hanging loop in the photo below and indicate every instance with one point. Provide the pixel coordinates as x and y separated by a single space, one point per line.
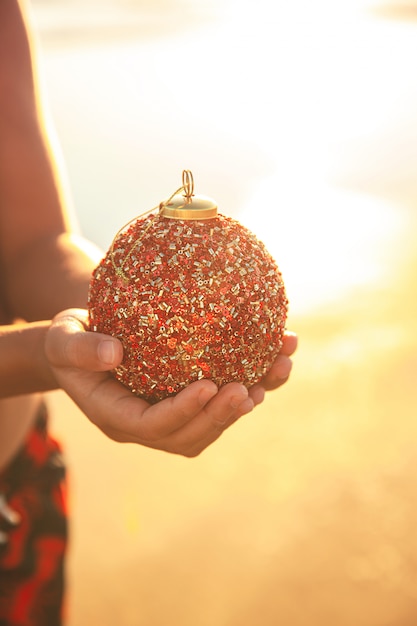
188 184
187 206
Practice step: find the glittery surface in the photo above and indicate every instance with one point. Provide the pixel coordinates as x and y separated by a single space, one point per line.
189 300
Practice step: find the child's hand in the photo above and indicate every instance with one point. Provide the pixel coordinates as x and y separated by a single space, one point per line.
184 424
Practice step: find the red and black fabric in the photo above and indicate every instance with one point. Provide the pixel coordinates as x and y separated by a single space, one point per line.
33 532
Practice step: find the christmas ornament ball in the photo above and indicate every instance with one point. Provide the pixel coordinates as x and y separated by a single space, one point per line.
191 294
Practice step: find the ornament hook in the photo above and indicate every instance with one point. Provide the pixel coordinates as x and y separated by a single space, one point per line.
188 184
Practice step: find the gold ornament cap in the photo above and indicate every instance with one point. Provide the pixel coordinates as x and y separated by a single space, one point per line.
187 206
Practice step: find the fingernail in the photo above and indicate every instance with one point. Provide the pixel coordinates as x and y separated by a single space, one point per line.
106 351
246 406
257 394
205 395
291 333
239 397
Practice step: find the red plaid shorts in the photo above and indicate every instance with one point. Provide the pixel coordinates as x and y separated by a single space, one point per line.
33 532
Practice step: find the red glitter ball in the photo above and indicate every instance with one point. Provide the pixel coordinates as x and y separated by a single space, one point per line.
189 299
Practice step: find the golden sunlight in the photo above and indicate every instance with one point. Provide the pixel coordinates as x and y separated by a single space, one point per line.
300 119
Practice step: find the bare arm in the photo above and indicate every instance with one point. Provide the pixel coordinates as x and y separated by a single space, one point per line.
44 267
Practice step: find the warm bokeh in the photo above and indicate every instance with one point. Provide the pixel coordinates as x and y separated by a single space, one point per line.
300 119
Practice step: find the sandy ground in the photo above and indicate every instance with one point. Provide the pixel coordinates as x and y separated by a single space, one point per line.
304 513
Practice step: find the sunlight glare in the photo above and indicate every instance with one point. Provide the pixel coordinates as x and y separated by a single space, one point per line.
326 241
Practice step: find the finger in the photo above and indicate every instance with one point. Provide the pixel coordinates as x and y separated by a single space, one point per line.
289 343
257 393
185 424
171 414
278 374
133 419
231 402
224 409
280 370
68 344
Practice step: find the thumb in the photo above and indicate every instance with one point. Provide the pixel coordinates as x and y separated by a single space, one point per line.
69 344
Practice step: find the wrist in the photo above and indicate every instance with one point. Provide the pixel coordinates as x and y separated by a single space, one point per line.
24 367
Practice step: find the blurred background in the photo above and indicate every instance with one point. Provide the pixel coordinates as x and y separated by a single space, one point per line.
301 120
